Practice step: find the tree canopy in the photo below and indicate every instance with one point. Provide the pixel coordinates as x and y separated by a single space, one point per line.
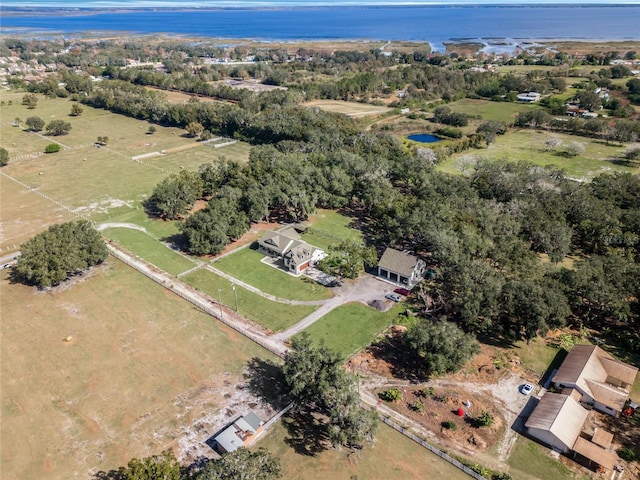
436 348
62 250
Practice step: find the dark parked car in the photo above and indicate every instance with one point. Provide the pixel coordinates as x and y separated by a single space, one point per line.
402 291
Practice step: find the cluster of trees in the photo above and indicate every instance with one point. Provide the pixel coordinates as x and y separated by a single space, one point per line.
4 156
242 464
620 130
314 378
62 250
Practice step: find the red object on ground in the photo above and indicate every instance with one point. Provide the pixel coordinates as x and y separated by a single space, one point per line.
460 412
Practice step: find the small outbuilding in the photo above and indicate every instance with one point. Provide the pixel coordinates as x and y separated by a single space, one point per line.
239 433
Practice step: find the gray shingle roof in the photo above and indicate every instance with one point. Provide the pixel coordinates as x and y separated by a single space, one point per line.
398 262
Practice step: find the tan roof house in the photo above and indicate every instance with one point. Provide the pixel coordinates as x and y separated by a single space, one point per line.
557 421
603 381
401 268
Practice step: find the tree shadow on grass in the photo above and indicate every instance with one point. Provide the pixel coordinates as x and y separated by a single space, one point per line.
265 380
110 475
389 350
306 432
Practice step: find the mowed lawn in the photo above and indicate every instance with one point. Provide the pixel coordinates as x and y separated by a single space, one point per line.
270 315
528 145
328 227
529 460
488 110
150 249
245 265
351 327
121 388
392 457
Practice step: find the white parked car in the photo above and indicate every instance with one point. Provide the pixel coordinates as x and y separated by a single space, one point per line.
526 389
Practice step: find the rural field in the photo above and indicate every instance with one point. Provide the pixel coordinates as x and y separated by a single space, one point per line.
392 457
528 145
351 109
101 183
141 371
498 111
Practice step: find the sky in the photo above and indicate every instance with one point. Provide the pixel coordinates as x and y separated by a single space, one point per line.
288 3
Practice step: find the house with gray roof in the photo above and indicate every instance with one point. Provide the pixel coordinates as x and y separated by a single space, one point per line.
286 244
401 268
239 433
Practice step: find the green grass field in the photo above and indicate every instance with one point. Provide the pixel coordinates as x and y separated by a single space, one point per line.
537 355
150 249
245 265
271 315
328 227
141 367
528 145
500 111
351 327
392 457
530 460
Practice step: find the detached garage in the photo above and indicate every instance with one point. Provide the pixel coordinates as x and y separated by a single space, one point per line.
557 421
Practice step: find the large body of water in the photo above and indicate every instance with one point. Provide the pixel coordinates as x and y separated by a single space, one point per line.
434 24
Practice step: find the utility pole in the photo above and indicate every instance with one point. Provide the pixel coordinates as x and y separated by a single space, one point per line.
235 294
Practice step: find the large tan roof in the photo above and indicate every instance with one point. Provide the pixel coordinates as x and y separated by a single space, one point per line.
607 394
559 414
595 453
619 370
590 368
399 262
581 362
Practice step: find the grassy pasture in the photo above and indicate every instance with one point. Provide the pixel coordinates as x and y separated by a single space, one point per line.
271 315
23 214
245 265
101 182
328 227
393 456
124 385
528 145
351 327
488 110
150 249
158 228
351 109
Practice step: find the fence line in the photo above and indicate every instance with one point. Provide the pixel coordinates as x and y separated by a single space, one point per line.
198 302
431 448
45 196
219 145
277 416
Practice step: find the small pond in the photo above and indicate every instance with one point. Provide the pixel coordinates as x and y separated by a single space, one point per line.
424 138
